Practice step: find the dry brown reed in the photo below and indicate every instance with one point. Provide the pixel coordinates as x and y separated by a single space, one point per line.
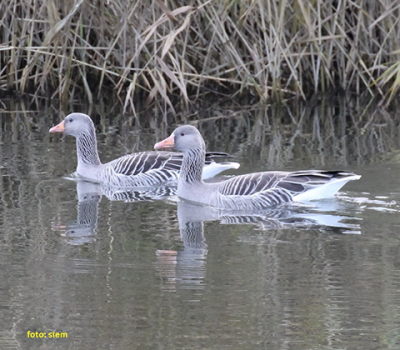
169 50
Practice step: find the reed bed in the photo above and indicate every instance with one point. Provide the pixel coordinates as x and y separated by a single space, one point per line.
168 51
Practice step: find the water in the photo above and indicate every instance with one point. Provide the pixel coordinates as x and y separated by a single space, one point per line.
108 270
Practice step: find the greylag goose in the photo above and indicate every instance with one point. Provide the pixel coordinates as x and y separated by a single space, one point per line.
143 169
251 191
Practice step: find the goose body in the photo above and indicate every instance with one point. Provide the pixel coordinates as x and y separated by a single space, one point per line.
255 191
143 169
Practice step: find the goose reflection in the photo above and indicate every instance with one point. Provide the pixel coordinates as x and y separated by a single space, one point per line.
83 230
186 268
89 194
326 215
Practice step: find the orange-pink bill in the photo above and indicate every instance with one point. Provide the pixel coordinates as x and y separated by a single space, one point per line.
167 143
58 128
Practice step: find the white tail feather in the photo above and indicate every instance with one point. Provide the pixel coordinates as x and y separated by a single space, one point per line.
214 169
325 191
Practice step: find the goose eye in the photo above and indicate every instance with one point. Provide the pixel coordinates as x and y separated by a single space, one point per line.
182 134
70 120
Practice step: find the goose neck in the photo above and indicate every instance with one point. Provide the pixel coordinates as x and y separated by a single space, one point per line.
86 146
192 166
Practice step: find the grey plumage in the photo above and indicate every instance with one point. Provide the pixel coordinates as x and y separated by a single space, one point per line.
143 169
250 192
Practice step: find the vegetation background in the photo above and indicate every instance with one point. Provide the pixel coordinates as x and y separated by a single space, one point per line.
171 50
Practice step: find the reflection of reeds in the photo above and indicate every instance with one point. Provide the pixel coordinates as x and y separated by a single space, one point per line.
271 49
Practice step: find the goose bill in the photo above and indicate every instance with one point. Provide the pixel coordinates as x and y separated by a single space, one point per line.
167 143
58 128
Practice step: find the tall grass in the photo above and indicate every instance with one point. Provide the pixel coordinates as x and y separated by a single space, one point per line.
169 50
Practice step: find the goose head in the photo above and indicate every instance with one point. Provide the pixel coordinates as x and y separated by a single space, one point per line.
184 138
74 124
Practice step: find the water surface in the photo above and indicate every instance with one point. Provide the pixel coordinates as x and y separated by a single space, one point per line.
125 271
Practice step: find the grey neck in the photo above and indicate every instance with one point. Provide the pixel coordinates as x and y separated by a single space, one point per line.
192 166
86 146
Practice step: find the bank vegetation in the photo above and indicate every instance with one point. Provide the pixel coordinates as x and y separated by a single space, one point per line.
170 50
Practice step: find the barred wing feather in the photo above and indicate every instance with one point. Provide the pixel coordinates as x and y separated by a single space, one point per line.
140 163
293 183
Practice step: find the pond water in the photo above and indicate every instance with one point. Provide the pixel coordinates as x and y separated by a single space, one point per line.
132 270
